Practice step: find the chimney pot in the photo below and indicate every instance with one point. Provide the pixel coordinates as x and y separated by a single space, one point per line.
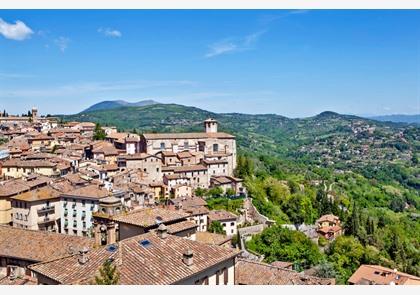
187 257
162 231
83 255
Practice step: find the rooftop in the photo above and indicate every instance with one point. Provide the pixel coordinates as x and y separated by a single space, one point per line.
41 194
257 273
211 238
379 275
38 245
149 217
158 263
220 215
90 192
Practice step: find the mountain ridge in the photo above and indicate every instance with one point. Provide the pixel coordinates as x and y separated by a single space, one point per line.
113 104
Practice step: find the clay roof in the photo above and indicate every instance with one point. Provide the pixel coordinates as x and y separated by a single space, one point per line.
11 188
157 262
181 226
38 245
110 167
220 215
211 238
148 217
282 264
175 176
328 217
180 169
41 194
89 192
196 210
225 179
16 186
328 229
379 275
215 162
29 164
183 155
257 273
138 156
194 135
26 280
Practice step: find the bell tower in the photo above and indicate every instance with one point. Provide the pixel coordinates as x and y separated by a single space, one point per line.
210 125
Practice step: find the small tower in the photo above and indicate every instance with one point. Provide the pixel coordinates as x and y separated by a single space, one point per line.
210 125
34 113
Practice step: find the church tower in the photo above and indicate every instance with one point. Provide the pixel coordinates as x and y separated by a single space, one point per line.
210 125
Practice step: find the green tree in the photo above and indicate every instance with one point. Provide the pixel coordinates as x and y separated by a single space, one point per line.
199 192
325 270
278 243
354 221
108 274
216 227
346 253
99 133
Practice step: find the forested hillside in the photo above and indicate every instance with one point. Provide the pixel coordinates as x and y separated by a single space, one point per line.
366 172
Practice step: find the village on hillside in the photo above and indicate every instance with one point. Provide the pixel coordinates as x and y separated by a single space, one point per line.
78 199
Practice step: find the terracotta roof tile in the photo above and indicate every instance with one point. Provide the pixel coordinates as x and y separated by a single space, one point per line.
158 263
379 275
258 273
38 245
148 217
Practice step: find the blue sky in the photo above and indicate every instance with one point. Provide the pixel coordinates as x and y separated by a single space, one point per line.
295 63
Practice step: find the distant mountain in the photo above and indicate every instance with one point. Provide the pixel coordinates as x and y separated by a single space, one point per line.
113 104
269 133
410 119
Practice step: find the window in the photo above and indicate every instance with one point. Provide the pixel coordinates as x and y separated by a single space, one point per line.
162 145
206 281
217 277
157 169
186 145
232 224
215 147
225 275
224 224
83 203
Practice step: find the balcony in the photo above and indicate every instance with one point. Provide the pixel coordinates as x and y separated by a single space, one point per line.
45 220
46 209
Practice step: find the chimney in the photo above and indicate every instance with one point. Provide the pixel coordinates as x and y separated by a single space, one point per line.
83 255
187 257
162 231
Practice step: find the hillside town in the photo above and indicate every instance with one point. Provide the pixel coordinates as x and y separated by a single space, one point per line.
76 197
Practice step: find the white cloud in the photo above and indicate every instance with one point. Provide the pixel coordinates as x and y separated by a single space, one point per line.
234 45
110 32
267 19
62 43
18 31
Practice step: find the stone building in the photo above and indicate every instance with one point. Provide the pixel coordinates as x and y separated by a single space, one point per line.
37 209
211 143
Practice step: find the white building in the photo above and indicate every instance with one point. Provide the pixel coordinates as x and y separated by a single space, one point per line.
227 219
77 208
